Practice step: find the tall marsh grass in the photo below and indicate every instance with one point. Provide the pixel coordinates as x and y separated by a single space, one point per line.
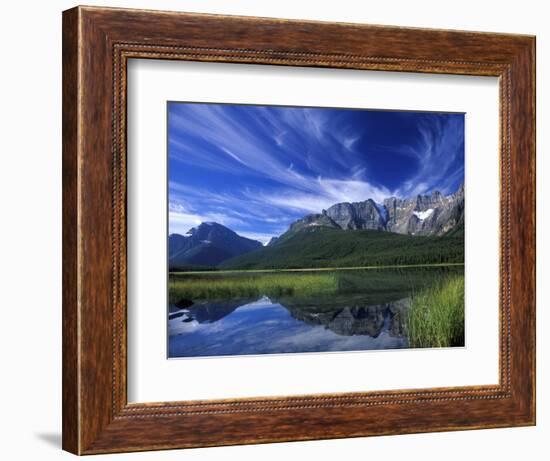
223 286
436 315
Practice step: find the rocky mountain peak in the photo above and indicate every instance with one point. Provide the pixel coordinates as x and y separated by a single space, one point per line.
207 244
425 214
424 202
356 215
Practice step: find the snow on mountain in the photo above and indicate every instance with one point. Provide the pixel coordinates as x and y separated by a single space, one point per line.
422 215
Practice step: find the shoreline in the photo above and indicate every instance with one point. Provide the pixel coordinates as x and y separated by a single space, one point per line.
319 269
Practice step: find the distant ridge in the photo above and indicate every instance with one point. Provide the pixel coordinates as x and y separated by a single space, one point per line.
207 245
426 229
318 247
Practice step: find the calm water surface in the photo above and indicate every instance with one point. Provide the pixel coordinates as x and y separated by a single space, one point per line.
368 312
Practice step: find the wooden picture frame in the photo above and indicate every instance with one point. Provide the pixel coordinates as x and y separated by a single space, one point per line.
97 43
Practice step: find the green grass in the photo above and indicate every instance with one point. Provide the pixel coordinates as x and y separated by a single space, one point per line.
436 315
324 285
195 270
214 287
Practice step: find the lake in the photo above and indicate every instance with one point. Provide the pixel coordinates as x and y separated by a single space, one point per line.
243 313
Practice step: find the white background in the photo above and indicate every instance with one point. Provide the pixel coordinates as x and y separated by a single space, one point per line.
30 191
151 377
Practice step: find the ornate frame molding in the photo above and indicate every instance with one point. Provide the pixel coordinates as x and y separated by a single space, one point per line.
98 43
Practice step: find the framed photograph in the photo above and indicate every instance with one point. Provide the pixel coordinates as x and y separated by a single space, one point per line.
280 230
290 230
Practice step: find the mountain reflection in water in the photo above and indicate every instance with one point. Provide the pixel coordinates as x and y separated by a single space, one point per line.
266 326
367 310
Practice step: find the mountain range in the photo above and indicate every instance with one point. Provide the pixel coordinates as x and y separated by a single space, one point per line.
425 228
434 214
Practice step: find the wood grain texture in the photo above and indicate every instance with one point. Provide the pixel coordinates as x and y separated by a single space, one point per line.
97 43
70 384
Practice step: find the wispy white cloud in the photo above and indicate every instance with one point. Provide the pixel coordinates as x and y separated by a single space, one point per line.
251 145
238 212
350 141
279 138
350 190
180 223
274 164
441 142
321 193
233 156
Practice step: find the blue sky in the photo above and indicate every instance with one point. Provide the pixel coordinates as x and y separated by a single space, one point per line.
256 169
